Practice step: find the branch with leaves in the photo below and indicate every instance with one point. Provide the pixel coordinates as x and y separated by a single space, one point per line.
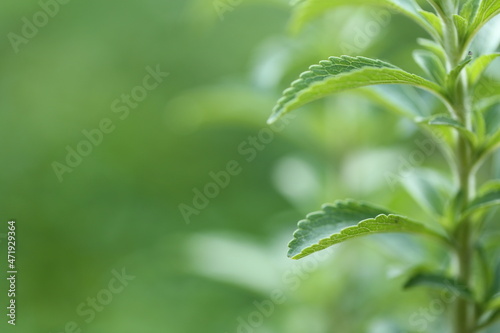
454 74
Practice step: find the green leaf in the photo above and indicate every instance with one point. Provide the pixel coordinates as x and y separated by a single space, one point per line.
493 142
487 10
431 64
433 47
476 69
469 10
486 89
307 10
440 282
402 100
494 303
343 73
488 196
491 116
486 104
446 120
488 319
434 21
479 124
429 189
461 24
345 220
452 78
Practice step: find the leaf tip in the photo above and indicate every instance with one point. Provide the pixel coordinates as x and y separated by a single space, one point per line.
274 117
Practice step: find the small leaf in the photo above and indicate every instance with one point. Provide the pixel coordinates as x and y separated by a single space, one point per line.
452 78
476 69
440 282
429 189
434 21
343 73
345 220
446 120
431 64
488 196
468 11
433 47
461 25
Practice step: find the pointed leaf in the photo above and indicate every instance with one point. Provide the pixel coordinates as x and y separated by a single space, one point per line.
434 21
433 47
440 282
345 220
476 69
452 78
429 189
343 73
446 120
431 64
489 196
461 25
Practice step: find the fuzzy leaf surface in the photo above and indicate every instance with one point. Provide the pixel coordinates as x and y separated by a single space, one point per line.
345 220
344 73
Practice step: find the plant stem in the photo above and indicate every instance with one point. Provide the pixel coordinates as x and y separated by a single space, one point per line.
465 321
465 318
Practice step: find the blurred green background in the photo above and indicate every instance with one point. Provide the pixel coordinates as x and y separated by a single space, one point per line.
118 209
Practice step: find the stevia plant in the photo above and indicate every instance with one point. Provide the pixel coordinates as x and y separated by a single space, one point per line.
465 126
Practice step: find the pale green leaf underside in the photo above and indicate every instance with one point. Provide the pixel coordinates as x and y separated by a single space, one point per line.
345 220
438 281
343 73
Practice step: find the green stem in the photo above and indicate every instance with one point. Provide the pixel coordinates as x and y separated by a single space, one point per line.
465 321
465 315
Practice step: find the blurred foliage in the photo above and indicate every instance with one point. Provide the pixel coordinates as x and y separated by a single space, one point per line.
119 207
